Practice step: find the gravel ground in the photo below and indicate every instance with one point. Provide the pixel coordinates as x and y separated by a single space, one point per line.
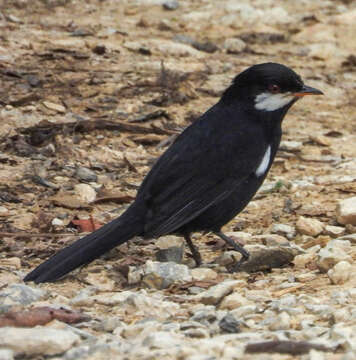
91 92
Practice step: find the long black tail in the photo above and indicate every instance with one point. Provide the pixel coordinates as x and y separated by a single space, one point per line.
90 247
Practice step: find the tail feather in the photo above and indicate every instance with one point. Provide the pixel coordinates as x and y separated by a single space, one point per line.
90 247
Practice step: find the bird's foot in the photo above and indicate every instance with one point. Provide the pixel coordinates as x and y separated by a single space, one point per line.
237 247
197 259
194 251
235 267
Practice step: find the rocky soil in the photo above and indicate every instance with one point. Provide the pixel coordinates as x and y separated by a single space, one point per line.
91 92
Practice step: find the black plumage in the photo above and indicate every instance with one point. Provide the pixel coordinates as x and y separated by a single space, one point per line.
206 177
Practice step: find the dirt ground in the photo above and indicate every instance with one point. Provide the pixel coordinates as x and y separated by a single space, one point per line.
106 85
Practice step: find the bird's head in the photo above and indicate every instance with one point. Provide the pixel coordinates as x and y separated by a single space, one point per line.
269 87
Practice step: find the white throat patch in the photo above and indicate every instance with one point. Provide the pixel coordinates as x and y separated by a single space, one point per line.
270 102
264 163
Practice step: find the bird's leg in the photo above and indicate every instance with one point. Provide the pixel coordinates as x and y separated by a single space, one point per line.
245 254
193 250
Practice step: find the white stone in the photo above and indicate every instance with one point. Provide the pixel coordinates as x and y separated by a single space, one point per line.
234 45
138 330
202 274
57 222
246 13
175 49
101 281
20 294
284 229
243 311
197 16
56 107
346 18
233 301
271 240
84 297
277 15
38 340
168 241
349 237
301 261
85 192
244 236
138 303
166 47
3 210
323 51
292 146
308 226
344 336
169 270
13 262
6 354
317 33
334 252
316 355
282 322
213 295
346 211
340 273
334 230
341 315
135 275
162 339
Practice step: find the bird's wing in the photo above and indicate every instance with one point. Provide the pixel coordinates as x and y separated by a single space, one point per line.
202 167
185 205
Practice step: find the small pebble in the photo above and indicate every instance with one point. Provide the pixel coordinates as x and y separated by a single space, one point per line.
202 274
334 252
57 222
3 210
233 301
213 295
234 45
229 324
284 229
85 174
334 231
308 226
340 273
85 192
346 211
170 5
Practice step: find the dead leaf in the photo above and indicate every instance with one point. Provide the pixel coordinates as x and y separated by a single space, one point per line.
118 199
40 316
287 290
87 225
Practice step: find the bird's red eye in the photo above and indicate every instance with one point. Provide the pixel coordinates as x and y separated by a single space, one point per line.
274 88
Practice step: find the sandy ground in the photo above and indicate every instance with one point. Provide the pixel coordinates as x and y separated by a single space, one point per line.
84 65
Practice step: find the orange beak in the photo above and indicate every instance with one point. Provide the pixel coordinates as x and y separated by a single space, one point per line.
308 90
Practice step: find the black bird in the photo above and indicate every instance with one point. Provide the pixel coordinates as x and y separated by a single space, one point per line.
206 177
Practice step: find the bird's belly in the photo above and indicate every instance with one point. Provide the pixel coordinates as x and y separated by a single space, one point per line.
221 213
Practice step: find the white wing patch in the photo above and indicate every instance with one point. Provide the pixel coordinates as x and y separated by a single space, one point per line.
270 102
264 163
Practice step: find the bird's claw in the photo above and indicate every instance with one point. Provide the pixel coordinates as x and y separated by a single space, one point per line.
235 266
